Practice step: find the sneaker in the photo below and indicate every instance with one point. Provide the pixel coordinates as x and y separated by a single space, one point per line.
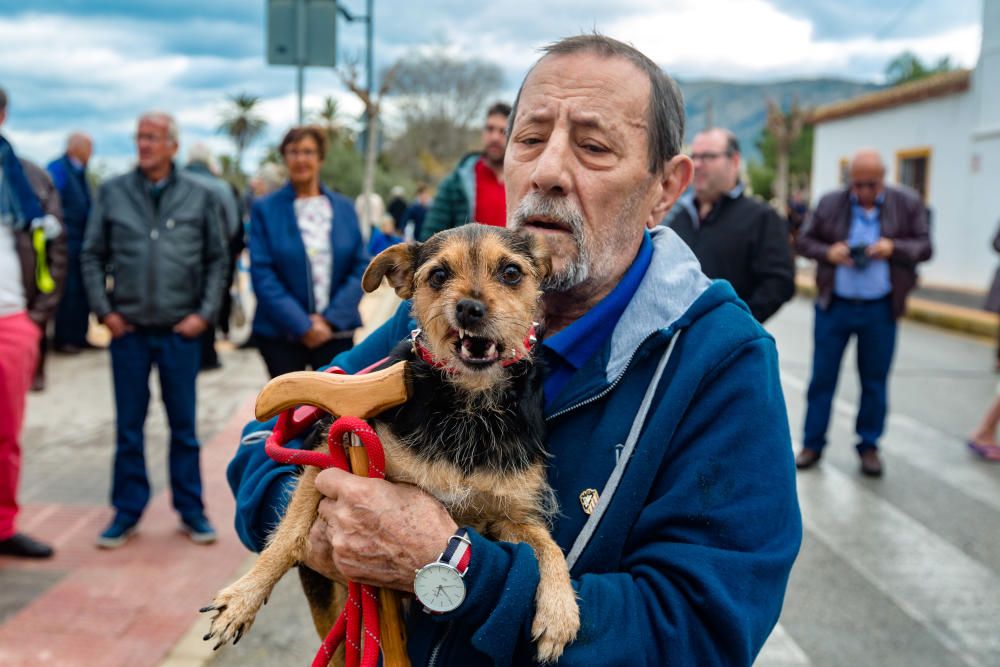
22 546
198 529
117 533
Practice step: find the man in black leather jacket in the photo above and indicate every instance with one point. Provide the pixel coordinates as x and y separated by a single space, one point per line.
154 263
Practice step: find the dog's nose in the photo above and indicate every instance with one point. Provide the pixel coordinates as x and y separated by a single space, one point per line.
469 312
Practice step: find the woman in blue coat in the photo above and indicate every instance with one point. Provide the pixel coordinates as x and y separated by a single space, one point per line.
306 262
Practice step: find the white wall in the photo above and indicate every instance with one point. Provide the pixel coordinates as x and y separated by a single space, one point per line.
963 193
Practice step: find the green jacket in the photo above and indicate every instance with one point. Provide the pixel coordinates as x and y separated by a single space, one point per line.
455 200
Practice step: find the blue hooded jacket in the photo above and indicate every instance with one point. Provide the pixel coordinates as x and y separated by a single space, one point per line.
688 561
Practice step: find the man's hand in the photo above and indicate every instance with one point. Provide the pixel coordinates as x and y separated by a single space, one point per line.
378 532
319 333
839 253
191 326
117 325
881 249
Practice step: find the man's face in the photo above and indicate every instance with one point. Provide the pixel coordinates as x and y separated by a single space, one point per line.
576 167
867 181
495 138
715 172
82 150
156 148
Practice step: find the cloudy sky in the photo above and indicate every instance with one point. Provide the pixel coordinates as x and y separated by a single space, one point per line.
95 64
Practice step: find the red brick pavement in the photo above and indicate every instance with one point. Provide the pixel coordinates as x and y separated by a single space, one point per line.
126 607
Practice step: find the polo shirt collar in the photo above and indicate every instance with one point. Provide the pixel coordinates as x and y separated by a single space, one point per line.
578 342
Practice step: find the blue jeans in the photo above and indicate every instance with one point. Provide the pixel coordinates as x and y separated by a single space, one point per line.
177 359
73 312
875 328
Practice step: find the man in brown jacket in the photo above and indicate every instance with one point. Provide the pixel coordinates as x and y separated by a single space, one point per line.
867 240
28 202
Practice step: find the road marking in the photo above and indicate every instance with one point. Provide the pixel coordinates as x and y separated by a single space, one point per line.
956 598
921 445
780 650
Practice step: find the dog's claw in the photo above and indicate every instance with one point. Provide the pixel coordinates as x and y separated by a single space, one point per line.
209 608
208 636
238 636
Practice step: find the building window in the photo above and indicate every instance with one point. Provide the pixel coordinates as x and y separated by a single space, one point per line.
913 169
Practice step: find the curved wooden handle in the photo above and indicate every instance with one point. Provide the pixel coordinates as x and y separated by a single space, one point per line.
390 613
360 396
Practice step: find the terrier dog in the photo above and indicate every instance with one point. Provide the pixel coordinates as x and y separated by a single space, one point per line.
471 433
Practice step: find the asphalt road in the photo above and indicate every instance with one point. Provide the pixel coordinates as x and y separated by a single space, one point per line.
904 570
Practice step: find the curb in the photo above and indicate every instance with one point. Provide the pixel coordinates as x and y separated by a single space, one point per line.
191 650
934 313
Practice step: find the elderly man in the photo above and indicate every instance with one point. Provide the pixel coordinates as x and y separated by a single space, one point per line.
69 173
671 456
155 231
735 237
867 240
475 189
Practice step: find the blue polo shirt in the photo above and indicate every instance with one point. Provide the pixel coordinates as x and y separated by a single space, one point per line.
568 350
872 281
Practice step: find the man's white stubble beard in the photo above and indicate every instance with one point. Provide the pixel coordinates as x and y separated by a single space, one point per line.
585 265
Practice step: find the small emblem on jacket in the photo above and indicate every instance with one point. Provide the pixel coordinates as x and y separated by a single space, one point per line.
588 499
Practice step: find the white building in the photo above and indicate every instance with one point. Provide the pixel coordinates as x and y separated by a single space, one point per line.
941 136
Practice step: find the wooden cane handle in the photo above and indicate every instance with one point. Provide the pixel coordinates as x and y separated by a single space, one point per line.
390 614
361 396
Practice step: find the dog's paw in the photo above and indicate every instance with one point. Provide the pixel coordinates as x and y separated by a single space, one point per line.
236 608
557 620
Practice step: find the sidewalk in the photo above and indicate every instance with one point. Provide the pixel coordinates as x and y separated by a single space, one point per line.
128 607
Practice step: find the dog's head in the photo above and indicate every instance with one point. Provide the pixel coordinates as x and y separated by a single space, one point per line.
475 292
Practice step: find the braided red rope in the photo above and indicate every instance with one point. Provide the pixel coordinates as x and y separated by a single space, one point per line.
358 624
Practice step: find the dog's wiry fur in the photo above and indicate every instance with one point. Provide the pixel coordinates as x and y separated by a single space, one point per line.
471 434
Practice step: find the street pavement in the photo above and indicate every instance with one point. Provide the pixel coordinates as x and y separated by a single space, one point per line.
903 570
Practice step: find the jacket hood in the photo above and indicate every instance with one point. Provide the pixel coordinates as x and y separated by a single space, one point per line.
673 294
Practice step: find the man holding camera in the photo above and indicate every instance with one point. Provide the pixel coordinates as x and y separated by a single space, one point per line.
867 240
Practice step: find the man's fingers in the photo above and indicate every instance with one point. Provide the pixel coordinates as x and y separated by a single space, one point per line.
334 482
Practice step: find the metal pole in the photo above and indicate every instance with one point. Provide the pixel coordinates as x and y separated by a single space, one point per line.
300 18
371 48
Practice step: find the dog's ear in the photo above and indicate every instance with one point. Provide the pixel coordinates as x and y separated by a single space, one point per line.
396 264
540 255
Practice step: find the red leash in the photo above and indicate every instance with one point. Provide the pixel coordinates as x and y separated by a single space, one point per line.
358 624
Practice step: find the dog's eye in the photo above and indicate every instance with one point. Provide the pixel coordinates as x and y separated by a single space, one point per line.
437 278
511 274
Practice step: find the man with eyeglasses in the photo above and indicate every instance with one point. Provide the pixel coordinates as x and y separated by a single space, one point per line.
474 191
155 236
735 237
867 240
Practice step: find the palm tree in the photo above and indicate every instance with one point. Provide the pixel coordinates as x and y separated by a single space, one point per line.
328 118
242 124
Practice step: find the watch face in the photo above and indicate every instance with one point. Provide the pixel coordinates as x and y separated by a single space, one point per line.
439 587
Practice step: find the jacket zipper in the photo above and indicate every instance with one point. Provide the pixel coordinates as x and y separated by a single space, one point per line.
432 662
607 389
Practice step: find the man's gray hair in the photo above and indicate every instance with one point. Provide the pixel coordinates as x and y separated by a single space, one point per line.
665 125
163 117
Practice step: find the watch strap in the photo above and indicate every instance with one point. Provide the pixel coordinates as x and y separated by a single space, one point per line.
458 553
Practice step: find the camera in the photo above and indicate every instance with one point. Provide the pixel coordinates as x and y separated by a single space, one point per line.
859 256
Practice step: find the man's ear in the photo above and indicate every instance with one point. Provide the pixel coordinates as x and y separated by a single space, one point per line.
396 264
674 180
540 256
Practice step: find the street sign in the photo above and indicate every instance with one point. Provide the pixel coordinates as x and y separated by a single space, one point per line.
308 39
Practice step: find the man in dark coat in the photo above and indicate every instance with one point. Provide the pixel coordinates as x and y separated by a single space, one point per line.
69 173
867 240
734 237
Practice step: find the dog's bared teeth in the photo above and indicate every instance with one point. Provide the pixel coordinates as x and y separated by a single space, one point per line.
491 351
462 333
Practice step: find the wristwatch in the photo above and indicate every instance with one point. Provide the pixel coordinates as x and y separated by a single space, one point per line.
440 586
